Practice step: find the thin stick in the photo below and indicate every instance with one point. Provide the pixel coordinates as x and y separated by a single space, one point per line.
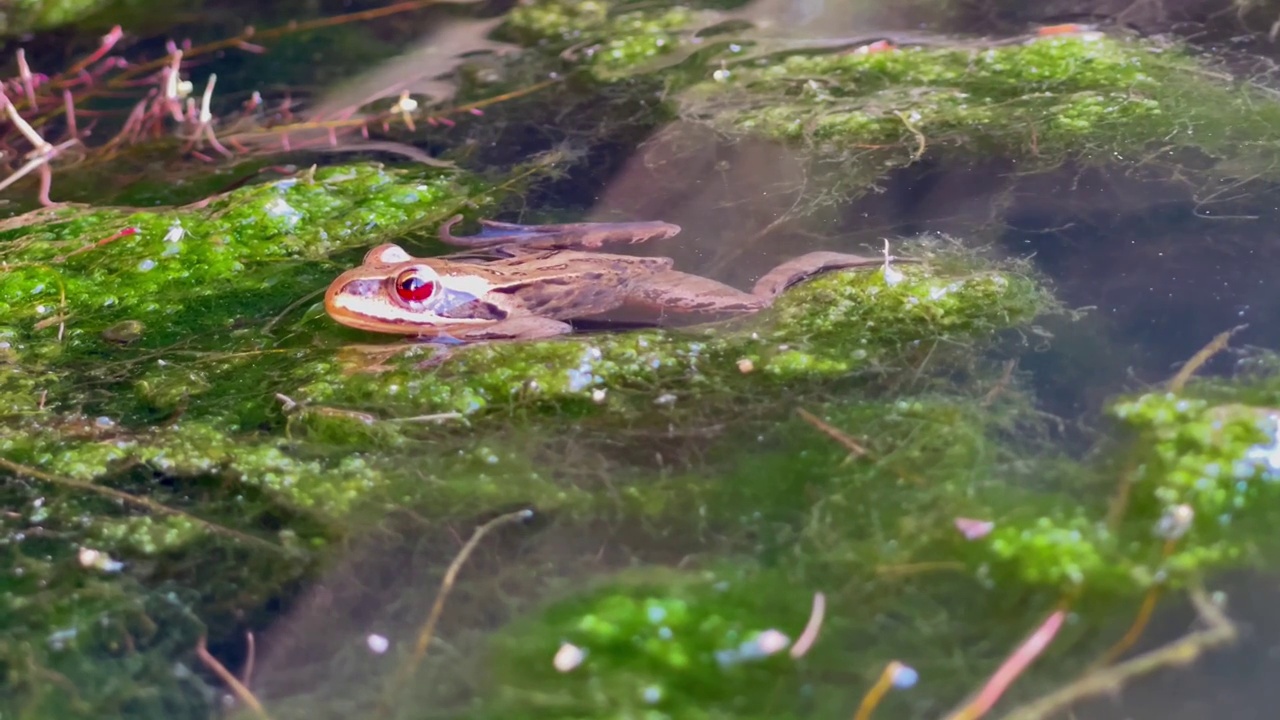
107 43
292 306
878 691
1120 503
147 503
1002 383
832 432
1144 614
1183 651
237 688
1215 346
446 585
921 144
1149 602
919 567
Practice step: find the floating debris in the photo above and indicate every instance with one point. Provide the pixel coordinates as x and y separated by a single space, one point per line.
377 644
568 657
974 529
891 276
1175 522
98 560
769 642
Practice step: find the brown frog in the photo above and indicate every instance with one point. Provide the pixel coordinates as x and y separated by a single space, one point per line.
529 281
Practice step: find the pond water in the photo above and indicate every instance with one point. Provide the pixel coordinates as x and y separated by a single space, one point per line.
641 522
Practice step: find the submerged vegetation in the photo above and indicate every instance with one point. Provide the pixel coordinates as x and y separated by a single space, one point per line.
747 519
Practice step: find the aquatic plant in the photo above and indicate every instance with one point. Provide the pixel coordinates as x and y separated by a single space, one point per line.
45 115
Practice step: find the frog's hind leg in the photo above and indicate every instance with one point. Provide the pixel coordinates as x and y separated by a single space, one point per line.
797 270
550 237
681 294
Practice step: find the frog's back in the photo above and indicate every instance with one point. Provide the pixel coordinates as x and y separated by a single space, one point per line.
563 285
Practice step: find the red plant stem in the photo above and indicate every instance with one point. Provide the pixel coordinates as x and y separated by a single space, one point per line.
1013 667
28 84
108 41
811 629
46 184
69 102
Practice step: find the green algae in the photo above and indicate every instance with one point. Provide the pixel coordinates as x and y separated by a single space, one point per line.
244 253
771 511
833 524
91 314
1085 97
843 325
27 15
189 363
697 644
780 518
1091 99
680 646
1194 488
610 43
241 403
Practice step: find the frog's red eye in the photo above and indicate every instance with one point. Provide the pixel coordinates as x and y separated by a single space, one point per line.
413 286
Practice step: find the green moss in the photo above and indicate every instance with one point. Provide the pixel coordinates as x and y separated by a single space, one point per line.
609 43
26 15
656 645
1093 98
1201 479
1214 466
185 272
76 642
198 284
189 363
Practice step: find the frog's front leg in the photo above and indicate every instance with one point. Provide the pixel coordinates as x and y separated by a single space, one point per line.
525 327
548 237
375 358
522 328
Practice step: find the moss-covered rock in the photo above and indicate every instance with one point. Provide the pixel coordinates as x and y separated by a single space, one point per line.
1087 98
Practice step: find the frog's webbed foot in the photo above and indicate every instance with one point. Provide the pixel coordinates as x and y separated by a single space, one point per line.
797 270
548 237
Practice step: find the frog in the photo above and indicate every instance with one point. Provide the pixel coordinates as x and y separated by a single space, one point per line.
527 282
